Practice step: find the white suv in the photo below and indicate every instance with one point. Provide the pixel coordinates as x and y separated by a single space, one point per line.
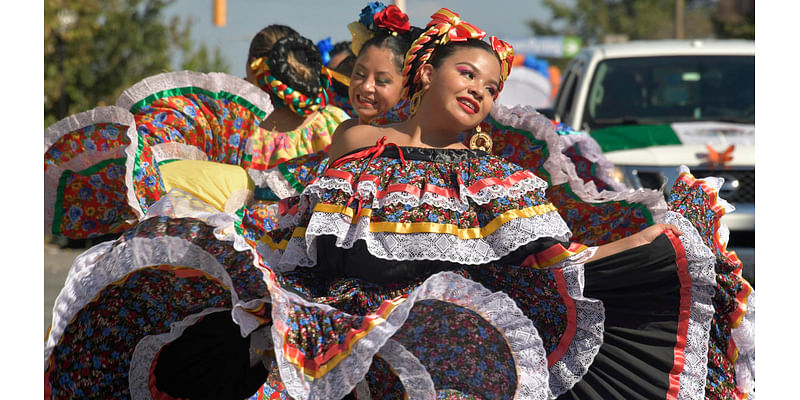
655 105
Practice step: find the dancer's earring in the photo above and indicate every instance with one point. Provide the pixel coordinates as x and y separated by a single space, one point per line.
480 140
416 98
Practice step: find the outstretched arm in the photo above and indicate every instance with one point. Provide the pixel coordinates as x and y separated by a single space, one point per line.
641 238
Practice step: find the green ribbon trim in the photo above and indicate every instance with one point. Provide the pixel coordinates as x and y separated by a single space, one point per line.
628 137
162 162
237 224
260 114
62 184
290 178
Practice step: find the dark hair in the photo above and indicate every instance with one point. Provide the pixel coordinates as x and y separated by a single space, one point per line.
345 68
262 42
340 47
296 61
438 54
441 53
398 45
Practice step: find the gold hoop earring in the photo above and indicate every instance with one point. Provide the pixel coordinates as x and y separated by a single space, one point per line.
480 141
413 106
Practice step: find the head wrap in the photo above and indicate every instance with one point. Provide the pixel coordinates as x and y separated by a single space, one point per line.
446 26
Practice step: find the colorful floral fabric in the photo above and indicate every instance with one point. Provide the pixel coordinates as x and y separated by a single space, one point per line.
598 223
698 201
95 351
187 124
85 182
269 148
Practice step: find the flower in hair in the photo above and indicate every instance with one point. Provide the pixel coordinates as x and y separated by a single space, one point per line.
367 16
393 19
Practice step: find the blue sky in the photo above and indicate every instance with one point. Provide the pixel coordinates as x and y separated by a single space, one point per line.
318 19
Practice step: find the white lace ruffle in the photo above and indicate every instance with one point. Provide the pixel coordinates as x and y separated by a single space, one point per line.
85 159
585 345
744 336
369 190
274 180
591 150
301 251
500 310
700 265
110 261
562 170
413 375
177 151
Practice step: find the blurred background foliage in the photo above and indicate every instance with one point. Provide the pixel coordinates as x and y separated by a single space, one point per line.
95 49
610 20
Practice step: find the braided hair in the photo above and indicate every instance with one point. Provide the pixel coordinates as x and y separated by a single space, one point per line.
263 41
291 74
296 61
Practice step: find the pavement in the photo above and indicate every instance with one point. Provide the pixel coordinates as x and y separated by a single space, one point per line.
56 265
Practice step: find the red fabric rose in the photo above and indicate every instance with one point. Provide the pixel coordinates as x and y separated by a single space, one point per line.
393 19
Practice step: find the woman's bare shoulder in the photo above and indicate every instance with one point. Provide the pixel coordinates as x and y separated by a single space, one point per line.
352 138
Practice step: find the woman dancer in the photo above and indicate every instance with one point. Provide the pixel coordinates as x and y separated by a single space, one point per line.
288 67
389 224
381 38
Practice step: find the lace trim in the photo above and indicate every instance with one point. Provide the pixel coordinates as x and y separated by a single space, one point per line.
82 161
369 189
585 345
497 308
590 149
81 120
413 375
111 261
562 170
700 262
273 179
177 151
144 354
744 336
213 82
301 251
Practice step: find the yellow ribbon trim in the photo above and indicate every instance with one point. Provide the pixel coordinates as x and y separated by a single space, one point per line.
336 75
433 227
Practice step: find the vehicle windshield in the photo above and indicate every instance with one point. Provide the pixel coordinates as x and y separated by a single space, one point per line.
658 90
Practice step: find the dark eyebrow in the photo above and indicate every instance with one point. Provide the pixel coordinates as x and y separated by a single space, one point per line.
474 68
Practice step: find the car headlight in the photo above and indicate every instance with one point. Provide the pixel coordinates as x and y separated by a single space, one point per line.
618 174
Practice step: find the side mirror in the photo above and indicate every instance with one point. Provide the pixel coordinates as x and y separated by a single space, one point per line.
549 113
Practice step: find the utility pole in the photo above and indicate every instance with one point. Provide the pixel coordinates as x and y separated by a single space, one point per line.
219 13
679 20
